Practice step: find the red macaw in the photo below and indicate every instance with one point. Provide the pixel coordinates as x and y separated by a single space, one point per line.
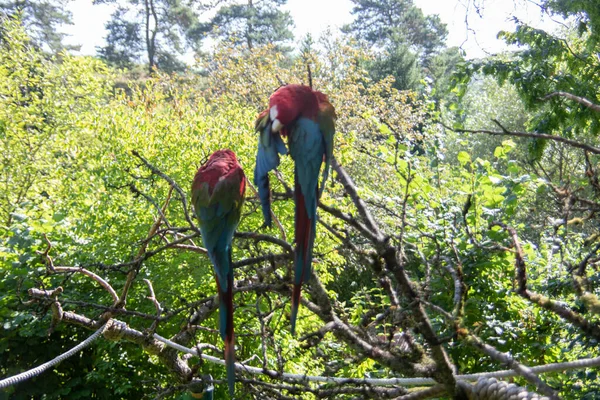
218 196
308 119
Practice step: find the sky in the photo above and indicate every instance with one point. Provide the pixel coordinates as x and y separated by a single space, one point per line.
88 28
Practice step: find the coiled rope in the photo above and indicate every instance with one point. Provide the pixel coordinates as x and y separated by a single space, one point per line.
4 383
492 389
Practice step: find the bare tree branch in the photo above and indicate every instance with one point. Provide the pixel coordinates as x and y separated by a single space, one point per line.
581 100
591 329
570 142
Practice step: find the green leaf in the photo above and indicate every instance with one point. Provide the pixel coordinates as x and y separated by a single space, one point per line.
463 158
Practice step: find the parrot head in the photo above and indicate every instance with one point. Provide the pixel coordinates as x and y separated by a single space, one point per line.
290 102
221 165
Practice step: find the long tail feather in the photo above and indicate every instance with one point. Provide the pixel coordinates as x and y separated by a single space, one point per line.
305 238
226 328
295 304
230 362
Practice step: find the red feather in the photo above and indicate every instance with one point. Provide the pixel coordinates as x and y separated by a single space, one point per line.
293 101
227 298
303 234
222 164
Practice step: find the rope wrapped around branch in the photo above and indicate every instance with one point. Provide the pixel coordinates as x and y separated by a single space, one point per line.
493 389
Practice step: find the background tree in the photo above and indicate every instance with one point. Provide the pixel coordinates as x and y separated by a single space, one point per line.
555 73
43 20
385 23
124 43
253 23
407 40
159 29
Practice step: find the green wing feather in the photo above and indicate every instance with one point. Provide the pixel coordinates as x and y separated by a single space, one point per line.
326 120
219 215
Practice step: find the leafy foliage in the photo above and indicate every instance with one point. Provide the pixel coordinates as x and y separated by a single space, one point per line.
547 65
41 102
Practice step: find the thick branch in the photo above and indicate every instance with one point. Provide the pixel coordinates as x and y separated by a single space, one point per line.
581 100
573 317
349 335
350 188
445 370
116 330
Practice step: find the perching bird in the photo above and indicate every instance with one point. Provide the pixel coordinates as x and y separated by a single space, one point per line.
308 119
218 195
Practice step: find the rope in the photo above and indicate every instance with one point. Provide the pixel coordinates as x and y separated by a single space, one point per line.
300 377
485 384
492 389
583 363
4 383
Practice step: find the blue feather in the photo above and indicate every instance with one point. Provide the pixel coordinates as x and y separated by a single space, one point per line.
217 237
270 146
307 148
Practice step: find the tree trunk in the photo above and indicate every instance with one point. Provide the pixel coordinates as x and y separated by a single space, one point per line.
250 28
151 35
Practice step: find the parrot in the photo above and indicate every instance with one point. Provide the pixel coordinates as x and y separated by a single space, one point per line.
307 119
218 191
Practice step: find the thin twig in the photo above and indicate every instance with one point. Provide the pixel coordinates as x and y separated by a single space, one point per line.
154 300
81 270
555 138
92 275
133 272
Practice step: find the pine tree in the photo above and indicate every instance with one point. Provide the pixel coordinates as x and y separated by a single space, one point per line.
42 20
406 40
253 23
157 30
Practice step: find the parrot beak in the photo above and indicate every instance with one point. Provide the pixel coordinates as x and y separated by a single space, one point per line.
276 126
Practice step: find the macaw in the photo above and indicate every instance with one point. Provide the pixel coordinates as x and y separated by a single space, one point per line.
307 118
218 193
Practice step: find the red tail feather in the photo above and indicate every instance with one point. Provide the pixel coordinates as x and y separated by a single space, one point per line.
230 362
302 272
295 304
229 339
